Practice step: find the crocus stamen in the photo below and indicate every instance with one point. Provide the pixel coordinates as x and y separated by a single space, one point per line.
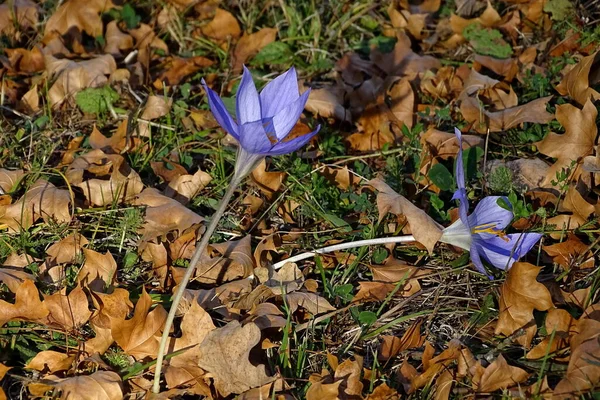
491 229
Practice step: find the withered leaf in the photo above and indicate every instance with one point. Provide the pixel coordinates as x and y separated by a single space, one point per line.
576 82
500 375
77 16
311 302
164 214
223 27
101 385
10 178
423 227
138 336
75 76
19 13
225 354
249 45
27 306
116 41
3 370
69 312
391 346
583 372
51 361
520 294
12 273
560 326
66 250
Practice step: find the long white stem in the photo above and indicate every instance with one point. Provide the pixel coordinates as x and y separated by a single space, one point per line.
343 246
200 247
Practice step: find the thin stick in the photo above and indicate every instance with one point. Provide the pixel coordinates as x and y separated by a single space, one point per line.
188 274
343 246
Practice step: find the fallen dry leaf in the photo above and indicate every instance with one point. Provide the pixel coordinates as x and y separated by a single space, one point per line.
22 14
249 45
49 361
577 141
101 385
9 179
570 252
113 145
576 82
520 294
391 346
27 306
69 312
185 187
73 76
225 353
66 250
76 16
560 326
98 271
311 302
583 372
423 227
328 102
139 336
116 41
12 272
222 27
500 375
179 68
26 61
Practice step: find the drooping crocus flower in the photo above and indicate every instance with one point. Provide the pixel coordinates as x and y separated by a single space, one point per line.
263 121
482 232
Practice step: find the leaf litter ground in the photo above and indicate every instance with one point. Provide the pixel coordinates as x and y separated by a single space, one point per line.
111 164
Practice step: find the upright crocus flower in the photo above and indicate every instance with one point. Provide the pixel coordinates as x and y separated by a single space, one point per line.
482 232
263 121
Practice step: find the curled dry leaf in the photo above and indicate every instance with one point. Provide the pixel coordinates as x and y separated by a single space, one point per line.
179 68
500 375
391 346
583 372
69 312
224 262
66 250
114 180
156 107
402 60
311 302
225 353
185 187
98 271
576 82
139 336
445 145
285 280
44 200
572 253
26 61
113 145
27 306
9 179
23 14
328 102
147 42
75 17
249 45
116 41
12 273
110 305
520 294
268 182
73 76
423 227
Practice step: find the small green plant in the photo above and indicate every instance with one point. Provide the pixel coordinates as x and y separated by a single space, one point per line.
96 100
500 179
487 41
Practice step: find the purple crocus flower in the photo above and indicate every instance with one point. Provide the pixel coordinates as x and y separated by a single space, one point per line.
482 232
263 121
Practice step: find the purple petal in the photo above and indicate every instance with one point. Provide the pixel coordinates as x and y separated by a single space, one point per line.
461 193
247 100
254 139
220 112
292 145
488 214
286 119
279 93
476 259
503 252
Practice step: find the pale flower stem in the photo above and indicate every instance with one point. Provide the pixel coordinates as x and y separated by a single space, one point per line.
200 247
343 246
